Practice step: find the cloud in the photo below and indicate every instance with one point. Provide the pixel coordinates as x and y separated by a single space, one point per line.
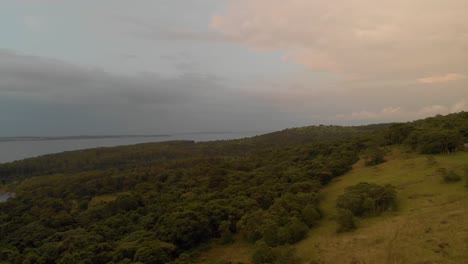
400 114
442 78
398 39
150 30
50 97
38 77
33 23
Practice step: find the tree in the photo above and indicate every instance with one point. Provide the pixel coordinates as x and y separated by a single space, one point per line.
225 232
296 230
367 198
154 252
374 156
346 221
263 254
310 215
397 134
440 141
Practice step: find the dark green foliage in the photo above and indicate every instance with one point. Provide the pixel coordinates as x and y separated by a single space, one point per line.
296 230
398 133
367 198
345 220
185 229
281 255
154 252
310 215
270 234
156 201
444 141
287 255
225 232
374 156
434 135
263 254
150 203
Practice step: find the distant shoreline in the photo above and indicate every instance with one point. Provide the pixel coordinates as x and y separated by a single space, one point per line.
84 137
24 147
9 139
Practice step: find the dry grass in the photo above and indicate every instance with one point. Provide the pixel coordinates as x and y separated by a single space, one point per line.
431 225
238 252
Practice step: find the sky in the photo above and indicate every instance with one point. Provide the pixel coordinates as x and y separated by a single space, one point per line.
176 66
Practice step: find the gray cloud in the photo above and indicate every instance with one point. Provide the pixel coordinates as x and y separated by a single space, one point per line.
35 76
150 30
50 96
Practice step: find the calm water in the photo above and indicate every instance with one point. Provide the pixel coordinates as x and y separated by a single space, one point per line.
16 150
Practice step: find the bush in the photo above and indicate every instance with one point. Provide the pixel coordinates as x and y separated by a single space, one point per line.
345 220
287 256
367 198
435 142
310 215
374 156
297 230
225 232
263 254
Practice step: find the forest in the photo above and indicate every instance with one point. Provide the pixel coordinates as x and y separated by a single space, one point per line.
163 202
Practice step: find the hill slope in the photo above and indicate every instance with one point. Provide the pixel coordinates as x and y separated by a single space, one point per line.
160 203
430 225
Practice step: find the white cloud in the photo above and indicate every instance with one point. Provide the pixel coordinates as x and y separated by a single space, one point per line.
442 78
397 38
400 114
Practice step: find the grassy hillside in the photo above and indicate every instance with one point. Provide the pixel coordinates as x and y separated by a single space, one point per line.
429 226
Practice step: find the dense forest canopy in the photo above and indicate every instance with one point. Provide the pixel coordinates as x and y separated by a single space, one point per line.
156 203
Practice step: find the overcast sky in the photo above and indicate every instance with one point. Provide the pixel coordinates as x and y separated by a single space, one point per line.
163 66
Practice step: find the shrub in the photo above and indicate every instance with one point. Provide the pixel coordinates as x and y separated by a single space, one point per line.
287 256
345 220
374 156
225 232
263 254
367 198
445 141
270 234
310 215
297 230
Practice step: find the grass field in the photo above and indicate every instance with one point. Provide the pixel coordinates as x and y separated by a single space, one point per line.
430 225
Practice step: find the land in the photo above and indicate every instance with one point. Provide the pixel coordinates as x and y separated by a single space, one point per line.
429 226
387 193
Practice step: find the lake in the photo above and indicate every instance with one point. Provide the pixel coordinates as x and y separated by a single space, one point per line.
27 148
